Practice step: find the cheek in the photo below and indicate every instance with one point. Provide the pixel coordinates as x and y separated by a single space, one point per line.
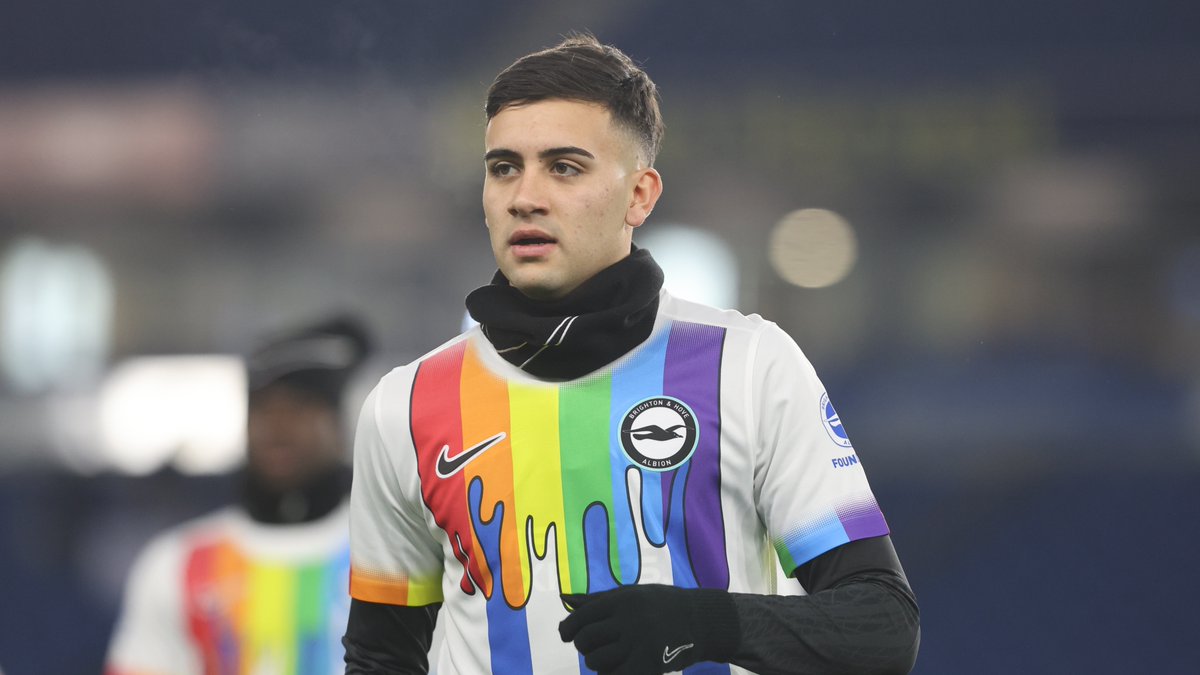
608 209
596 205
491 201
327 440
324 425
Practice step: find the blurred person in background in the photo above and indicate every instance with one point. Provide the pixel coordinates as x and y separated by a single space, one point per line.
260 586
593 478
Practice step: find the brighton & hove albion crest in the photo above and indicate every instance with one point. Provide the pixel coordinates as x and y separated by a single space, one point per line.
659 433
833 422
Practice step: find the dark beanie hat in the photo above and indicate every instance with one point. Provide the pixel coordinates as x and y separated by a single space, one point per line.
319 358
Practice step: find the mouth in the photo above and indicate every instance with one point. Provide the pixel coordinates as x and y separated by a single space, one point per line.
531 243
530 238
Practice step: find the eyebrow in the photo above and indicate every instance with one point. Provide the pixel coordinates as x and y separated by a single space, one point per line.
504 153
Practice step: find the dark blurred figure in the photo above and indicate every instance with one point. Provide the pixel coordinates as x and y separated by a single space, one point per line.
260 586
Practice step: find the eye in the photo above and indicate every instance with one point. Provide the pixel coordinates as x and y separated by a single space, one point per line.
502 169
564 169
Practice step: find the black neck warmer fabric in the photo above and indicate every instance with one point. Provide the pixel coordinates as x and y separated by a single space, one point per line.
569 337
313 500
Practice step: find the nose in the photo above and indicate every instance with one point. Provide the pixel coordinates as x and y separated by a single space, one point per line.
528 197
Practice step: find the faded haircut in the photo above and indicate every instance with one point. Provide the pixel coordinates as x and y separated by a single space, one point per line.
580 68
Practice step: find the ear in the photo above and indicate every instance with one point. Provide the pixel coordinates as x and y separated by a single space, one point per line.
646 191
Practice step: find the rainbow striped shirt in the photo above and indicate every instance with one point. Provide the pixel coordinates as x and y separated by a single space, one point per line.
708 457
227 595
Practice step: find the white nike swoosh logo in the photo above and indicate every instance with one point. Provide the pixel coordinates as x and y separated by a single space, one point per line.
447 467
670 654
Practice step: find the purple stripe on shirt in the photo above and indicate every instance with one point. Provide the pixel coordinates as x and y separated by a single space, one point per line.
693 375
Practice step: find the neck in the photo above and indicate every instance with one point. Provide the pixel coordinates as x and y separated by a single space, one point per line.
310 500
568 337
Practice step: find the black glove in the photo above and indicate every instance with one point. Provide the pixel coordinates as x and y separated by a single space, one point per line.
653 628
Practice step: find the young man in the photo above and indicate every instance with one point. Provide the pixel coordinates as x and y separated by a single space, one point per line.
601 476
260 586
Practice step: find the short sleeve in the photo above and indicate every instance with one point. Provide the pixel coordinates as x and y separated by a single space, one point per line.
394 558
812 493
151 635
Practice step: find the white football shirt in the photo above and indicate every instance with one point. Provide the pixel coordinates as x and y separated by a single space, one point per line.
709 456
226 594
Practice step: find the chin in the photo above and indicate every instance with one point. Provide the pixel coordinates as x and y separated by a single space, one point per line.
538 291
535 286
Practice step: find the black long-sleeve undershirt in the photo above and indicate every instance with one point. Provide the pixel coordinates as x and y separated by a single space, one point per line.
860 617
389 638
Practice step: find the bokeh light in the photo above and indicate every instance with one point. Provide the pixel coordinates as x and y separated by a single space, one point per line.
813 248
56 309
189 409
698 265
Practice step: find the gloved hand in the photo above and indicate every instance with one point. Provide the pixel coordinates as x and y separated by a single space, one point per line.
651 628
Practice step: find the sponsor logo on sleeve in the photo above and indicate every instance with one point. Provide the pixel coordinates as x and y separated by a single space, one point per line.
832 422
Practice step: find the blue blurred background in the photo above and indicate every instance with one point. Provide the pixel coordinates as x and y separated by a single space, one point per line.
980 220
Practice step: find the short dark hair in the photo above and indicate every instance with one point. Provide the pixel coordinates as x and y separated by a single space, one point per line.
580 68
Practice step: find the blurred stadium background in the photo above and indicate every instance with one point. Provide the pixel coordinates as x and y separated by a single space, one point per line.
980 220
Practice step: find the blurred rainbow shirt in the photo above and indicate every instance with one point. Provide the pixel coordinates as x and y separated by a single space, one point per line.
227 595
709 456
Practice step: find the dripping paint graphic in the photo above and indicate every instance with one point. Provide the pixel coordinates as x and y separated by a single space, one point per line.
557 486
